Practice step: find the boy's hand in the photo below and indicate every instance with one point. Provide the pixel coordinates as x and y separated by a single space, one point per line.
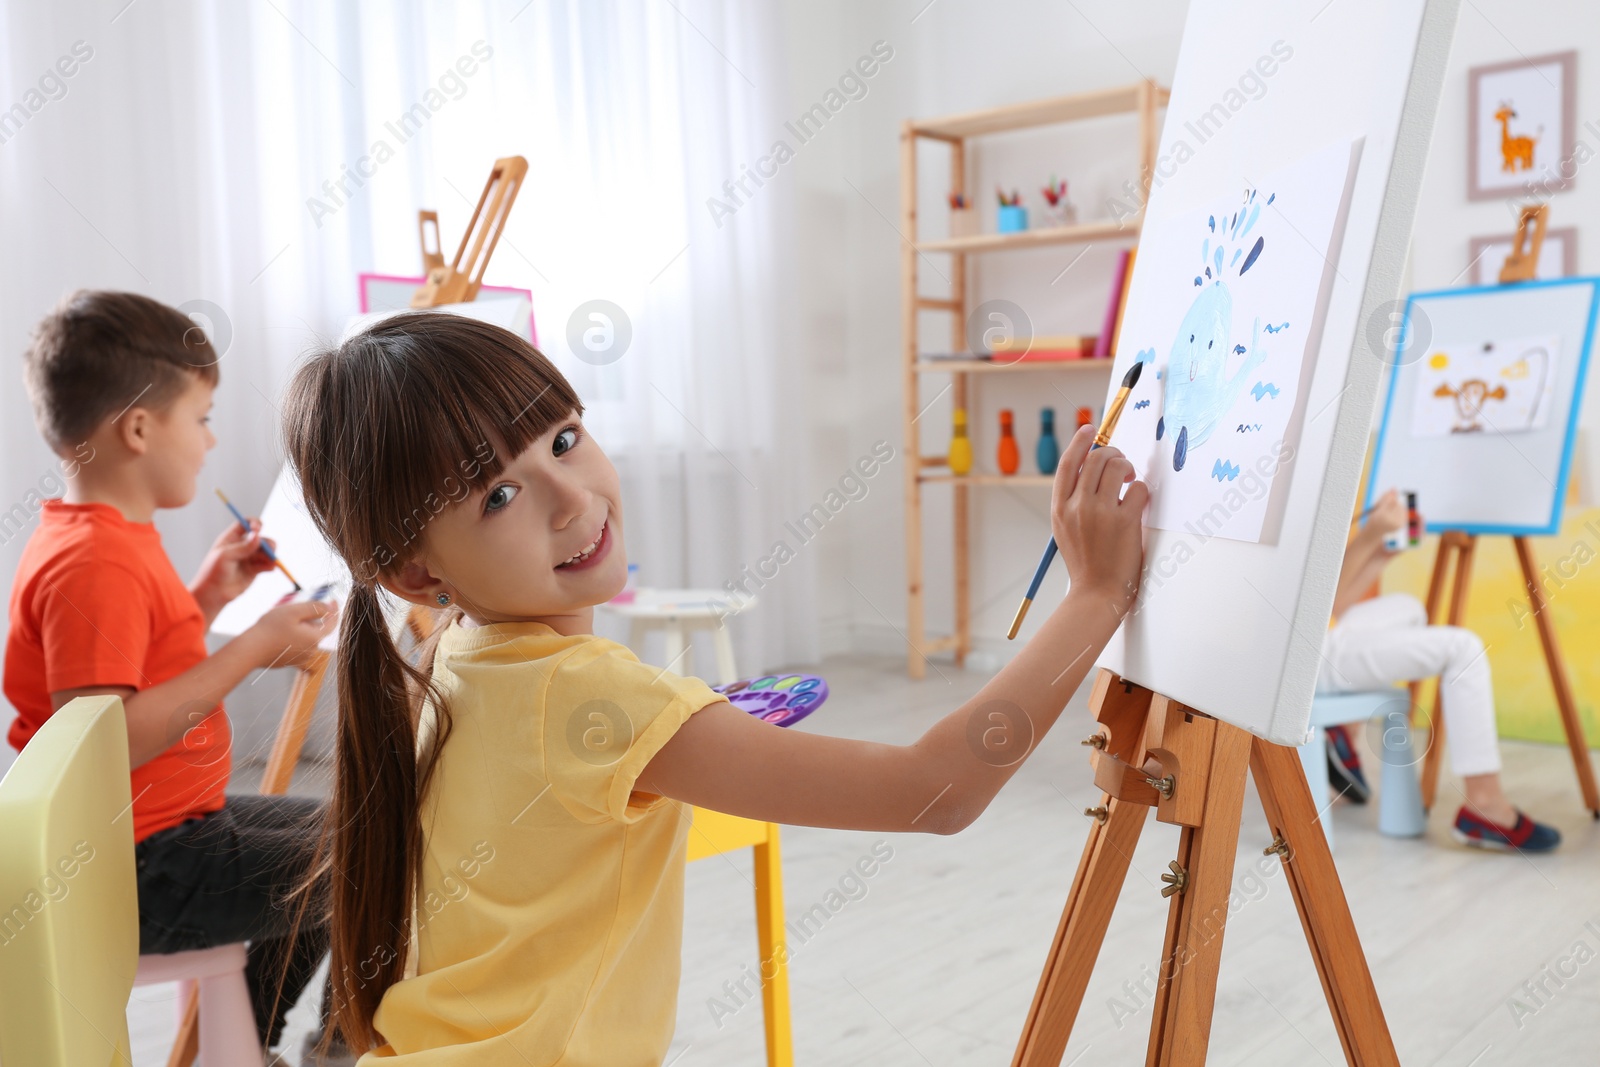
232 564
1098 528
287 635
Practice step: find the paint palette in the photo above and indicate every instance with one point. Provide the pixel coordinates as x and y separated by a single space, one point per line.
781 699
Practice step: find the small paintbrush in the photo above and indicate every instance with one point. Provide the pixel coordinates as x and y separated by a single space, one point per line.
1101 439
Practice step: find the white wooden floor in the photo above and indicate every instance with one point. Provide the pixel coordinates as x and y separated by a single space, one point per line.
935 962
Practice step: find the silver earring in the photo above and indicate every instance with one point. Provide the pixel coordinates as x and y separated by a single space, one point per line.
443 599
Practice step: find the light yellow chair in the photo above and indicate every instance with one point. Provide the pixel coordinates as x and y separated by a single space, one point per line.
714 833
69 931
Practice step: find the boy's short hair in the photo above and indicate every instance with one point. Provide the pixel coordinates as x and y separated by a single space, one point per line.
99 352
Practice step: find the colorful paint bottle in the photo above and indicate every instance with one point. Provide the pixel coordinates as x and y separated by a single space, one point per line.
1048 452
960 445
1085 416
1413 519
1007 455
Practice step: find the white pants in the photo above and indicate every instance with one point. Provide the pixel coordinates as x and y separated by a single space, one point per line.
1379 642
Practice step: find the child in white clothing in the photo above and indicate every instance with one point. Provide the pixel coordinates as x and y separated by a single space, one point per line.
1375 643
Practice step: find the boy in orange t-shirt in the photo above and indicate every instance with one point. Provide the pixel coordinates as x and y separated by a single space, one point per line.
121 386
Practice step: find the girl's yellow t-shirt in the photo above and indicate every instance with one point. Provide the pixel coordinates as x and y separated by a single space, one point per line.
550 911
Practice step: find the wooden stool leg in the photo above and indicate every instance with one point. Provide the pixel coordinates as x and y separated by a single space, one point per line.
1559 681
678 652
774 951
1103 869
1180 1029
723 643
1324 913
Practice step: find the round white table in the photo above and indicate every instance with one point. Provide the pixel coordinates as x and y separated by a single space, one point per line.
677 613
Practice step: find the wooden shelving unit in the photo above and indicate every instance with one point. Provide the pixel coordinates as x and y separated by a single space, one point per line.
1140 100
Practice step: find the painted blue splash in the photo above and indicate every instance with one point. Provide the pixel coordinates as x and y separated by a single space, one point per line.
1208 272
1218 260
1275 329
1197 279
1246 427
1211 221
1237 252
1254 253
1254 214
1261 389
1137 404
1271 198
1205 250
1238 350
1224 471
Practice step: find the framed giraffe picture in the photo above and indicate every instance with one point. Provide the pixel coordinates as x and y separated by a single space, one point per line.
1521 116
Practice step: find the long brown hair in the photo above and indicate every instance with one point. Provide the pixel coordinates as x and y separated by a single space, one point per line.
384 431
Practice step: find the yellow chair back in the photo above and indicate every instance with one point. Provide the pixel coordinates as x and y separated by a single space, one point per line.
69 909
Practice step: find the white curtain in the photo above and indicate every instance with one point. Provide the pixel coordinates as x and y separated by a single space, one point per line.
258 157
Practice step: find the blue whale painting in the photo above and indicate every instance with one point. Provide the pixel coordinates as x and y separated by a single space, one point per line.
1198 388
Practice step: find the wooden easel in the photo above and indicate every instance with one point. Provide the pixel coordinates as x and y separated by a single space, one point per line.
1459 549
1154 752
457 282
275 780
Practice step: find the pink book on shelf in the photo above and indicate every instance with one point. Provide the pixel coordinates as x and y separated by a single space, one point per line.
1119 278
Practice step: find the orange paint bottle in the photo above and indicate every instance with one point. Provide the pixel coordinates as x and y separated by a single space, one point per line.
1007 457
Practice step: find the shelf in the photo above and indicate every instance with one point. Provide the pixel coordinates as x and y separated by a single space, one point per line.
1037 113
1107 230
984 366
990 479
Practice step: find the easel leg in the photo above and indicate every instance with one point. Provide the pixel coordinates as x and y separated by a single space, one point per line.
1180 1029
1466 547
1082 930
1441 569
1324 913
275 780
1558 677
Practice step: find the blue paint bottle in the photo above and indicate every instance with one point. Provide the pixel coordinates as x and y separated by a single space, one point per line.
1049 451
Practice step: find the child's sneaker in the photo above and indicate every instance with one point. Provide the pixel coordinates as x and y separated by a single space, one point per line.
1344 766
1526 836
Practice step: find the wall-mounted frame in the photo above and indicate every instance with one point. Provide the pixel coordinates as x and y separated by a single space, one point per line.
1521 118
1558 258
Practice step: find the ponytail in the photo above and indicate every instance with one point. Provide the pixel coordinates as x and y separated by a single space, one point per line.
372 835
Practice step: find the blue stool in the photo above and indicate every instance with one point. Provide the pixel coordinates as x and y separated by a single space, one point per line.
1400 811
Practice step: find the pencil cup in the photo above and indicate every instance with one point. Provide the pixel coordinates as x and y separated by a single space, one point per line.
963 222
1012 219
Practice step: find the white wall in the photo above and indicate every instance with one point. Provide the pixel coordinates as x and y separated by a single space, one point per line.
953 56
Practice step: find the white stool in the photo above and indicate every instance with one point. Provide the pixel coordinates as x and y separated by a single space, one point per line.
677 613
216 976
1400 811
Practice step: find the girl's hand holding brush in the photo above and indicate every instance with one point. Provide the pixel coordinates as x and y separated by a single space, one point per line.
1097 526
